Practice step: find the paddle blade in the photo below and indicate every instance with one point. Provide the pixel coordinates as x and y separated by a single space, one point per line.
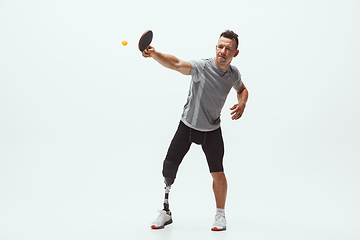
145 40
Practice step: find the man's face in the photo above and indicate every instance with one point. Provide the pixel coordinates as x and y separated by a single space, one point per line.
225 52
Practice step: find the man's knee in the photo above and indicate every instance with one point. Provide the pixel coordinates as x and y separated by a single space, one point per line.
219 177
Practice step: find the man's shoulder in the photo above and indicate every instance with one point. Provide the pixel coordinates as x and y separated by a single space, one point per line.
200 63
234 69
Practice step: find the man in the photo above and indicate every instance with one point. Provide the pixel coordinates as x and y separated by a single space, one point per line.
211 82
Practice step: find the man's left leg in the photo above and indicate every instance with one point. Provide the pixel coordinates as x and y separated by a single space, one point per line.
220 188
214 151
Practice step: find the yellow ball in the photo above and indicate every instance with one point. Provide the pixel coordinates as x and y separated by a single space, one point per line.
124 43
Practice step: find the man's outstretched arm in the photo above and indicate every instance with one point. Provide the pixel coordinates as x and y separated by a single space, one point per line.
168 61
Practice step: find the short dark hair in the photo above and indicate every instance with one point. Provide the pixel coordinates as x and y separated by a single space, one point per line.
231 35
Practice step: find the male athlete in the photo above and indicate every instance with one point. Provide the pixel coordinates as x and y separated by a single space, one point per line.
211 82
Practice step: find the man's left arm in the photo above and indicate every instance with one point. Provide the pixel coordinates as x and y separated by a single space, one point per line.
238 109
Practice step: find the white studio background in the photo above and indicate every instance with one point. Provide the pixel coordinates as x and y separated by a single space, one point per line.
85 122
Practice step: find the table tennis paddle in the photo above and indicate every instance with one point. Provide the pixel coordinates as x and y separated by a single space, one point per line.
145 40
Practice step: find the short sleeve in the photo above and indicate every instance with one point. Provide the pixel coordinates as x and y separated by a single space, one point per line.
237 79
197 67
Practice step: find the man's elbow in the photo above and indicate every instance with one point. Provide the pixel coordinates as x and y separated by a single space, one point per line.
183 67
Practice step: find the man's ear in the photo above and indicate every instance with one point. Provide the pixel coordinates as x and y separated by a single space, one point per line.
236 53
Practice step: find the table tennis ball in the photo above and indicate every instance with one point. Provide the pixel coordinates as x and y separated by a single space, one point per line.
124 43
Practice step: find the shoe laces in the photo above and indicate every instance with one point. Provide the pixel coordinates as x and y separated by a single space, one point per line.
220 218
162 215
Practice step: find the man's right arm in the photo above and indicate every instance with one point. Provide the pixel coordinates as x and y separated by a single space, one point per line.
168 61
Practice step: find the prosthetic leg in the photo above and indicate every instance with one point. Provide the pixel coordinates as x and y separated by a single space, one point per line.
168 183
165 217
166 200
169 173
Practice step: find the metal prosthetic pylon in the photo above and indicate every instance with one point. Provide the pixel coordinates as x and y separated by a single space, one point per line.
166 199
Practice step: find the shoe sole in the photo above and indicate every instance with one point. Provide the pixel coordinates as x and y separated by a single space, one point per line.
218 229
162 227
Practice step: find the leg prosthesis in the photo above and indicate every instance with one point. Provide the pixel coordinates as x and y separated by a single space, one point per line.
169 169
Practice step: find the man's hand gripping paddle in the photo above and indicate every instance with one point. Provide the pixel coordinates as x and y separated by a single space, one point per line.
145 40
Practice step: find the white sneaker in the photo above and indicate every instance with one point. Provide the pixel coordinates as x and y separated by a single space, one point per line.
220 222
162 220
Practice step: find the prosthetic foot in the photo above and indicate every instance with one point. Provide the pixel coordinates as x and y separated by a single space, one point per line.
165 217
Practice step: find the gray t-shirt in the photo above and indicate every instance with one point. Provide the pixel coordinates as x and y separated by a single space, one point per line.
209 88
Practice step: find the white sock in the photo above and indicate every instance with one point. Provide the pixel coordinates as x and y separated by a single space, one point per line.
220 210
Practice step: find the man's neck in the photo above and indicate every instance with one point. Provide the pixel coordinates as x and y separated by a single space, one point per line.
221 66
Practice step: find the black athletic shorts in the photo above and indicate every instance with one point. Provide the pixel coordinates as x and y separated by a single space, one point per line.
212 144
